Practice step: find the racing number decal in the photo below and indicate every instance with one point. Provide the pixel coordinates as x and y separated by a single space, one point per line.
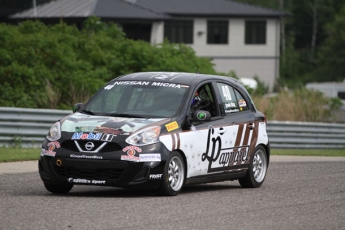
226 93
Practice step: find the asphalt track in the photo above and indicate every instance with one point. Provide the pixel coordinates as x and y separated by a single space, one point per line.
298 193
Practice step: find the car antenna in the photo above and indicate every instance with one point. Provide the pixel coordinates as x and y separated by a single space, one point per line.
197 70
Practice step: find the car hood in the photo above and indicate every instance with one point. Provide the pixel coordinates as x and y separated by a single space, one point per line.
78 122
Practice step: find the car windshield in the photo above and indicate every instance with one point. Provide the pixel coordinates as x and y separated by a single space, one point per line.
137 99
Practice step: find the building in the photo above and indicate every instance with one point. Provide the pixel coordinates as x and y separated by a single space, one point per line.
238 37
329 89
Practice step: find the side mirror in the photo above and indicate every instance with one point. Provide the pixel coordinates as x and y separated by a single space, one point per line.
201 116
78 107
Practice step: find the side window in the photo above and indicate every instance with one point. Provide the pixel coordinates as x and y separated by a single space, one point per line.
229 101
232 99
203 99
242 103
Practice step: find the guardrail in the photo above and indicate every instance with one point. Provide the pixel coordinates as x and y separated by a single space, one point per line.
28 127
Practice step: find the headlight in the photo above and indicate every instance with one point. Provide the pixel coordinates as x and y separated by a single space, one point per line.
145 136
54 132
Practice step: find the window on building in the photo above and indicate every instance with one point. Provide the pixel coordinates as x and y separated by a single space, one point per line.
179 31
255 32
341 95
217 32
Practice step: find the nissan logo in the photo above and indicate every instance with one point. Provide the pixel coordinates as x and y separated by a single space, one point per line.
89 146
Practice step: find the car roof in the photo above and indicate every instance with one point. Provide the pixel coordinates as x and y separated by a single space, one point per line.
174 77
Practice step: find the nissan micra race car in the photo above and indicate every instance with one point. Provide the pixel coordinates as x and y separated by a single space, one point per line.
158 130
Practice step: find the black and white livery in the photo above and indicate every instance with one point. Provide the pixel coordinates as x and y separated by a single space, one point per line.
158 130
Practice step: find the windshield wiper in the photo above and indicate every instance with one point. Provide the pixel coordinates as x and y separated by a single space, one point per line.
87 112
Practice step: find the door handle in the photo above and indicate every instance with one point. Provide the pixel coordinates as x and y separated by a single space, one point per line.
251 126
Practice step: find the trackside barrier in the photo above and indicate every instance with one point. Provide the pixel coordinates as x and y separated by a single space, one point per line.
28 128
306 135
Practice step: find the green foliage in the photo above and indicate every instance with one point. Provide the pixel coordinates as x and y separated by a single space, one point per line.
261 89
299 105
331 56
57 66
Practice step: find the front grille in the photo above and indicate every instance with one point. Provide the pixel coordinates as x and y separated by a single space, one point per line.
91 174
69 145
109 147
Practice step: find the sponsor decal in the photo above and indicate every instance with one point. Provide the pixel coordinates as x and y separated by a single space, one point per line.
49 153
86 136
242 103
230 105
162 84
155 176
149 157
224 159
148 83
131 147
107 137
85 181
132 83
129 158
171 126
86 157
131 152
53 145
231 110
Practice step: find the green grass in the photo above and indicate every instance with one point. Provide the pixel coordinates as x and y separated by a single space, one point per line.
19 154
309 152
26 154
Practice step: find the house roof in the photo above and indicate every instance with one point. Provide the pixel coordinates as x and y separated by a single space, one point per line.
85 8
146 9
217 8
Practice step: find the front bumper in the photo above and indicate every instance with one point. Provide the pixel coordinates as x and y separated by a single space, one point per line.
106 170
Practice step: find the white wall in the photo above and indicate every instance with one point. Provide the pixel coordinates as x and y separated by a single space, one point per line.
264 69
236 46
246 60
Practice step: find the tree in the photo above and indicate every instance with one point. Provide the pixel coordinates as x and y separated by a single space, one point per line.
331 56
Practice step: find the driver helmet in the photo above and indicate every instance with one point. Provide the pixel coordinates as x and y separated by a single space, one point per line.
196 98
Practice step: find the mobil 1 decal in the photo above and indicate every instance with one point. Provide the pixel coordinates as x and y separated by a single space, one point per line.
222 155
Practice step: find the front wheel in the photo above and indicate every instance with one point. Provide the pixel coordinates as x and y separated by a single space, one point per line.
174 175
257 169
58 188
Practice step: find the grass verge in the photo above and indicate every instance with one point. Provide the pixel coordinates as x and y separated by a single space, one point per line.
19 154
26 154
309 152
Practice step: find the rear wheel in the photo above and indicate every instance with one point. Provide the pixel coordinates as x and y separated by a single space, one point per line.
174 175
58 188
257 169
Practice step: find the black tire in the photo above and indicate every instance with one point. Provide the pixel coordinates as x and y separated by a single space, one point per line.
173 177
257 169
58 188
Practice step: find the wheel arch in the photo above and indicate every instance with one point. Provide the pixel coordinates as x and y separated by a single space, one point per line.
184 160
267 149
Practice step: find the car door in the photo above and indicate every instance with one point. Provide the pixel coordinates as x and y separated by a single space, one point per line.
239 115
